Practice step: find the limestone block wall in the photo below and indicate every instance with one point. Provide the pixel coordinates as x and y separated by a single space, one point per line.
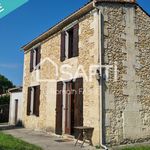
126 112
142 31
50 49
126 41
114 46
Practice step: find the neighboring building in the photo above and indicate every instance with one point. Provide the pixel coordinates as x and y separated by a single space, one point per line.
102 32
15 107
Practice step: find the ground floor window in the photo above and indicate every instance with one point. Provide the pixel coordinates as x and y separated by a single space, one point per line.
33 102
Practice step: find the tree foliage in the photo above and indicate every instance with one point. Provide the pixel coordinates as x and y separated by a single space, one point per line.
5 84
4 100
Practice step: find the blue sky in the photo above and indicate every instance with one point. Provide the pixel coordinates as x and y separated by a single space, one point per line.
26 23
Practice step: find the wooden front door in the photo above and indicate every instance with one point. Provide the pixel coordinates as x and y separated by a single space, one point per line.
59 100
16 111
74 106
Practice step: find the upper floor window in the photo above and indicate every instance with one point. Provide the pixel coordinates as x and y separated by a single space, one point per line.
35 56
69 43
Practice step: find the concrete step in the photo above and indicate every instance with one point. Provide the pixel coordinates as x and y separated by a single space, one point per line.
6 127
68 136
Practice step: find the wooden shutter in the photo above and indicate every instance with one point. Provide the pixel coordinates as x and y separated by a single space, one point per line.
38 56
36 100
59 101
62 54
31 60
78 114
76 40
28 101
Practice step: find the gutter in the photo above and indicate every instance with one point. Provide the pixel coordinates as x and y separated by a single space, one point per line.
100 72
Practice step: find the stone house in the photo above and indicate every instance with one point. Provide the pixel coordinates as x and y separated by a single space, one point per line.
104 33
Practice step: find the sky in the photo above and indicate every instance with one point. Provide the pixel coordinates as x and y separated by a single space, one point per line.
27 22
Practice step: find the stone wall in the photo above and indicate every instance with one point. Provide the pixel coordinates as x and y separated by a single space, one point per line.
126 41
50 49
143 68
126 36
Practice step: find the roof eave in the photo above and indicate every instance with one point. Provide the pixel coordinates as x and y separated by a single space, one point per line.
59 26
17 89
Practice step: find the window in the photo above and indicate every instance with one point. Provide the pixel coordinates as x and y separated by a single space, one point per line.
69 43
35 57
33 101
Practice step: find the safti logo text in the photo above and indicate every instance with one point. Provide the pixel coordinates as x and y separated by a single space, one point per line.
66 72
1 8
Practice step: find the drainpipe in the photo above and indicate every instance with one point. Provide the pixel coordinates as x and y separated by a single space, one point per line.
100 72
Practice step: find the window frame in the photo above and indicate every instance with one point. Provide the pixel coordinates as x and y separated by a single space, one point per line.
33 101
68 47
35 53
69 50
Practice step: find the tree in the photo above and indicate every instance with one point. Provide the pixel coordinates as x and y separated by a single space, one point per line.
4 100
5 84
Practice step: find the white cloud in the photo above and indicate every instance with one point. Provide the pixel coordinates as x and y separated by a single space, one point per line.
9 66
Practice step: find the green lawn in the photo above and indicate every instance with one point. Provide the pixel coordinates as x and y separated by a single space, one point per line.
138 148
7 142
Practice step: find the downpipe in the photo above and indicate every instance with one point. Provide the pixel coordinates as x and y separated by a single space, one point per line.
100 72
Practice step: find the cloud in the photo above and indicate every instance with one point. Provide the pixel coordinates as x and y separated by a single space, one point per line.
9 66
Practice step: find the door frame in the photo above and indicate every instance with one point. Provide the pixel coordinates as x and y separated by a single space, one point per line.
63 115
68 109
16 110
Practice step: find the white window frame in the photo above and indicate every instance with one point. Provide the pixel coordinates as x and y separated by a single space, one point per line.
66 44
32 101
34 58
34 55
67 37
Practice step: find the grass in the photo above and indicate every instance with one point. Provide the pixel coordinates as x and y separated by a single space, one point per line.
131 148
137 148
8 142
